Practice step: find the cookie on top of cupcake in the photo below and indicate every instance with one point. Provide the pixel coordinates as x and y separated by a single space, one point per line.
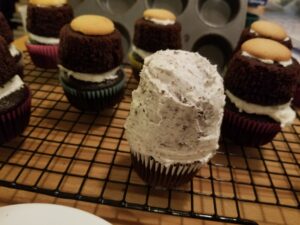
266 29
15 99
45 18
259 83
158 29
90 55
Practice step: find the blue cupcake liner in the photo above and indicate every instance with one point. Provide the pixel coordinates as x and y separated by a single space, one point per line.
94 100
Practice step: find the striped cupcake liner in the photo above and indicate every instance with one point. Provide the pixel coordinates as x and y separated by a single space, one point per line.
44 56
246 131
94 100
14 122
158 175
136 66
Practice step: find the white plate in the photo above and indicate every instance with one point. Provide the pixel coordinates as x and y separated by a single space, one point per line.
46 214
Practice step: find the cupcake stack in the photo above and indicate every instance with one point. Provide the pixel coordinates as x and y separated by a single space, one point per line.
15 100
157 30
174 122
90 57
45 18
259 84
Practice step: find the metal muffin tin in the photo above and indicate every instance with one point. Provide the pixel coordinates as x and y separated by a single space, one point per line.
210 27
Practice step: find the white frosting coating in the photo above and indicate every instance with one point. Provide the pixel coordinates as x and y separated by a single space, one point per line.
88 77
268 61
44 40
177 109
142 53
283 114
160 21
13 50
11 86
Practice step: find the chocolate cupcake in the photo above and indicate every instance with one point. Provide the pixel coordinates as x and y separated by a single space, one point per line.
45 18
265 29
174 122
90 54
15 97
157 30
260 82
7 34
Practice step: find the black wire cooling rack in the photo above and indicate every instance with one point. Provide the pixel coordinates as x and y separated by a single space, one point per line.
70 154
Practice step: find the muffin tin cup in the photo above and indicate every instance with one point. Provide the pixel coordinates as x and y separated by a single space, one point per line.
94 100
158 175
227 26
43 56
246 131
14 122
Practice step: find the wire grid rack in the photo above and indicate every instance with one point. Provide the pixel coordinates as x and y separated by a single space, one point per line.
70 154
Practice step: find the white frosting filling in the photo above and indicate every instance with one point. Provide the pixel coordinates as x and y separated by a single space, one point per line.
44 40
142 53
283 114
253 32
287 39
11 86
177 109
88 77
268 61
13 50
160 21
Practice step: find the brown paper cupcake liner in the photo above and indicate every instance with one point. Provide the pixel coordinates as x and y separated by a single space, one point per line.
44 56
246 131
158 175
14 122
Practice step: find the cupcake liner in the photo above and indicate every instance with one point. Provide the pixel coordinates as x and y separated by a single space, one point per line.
44 56
94 100
14 122
246 131
136 66
156 174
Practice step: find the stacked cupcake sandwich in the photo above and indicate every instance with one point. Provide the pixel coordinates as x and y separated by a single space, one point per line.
157 30
45 18
174 122
259 83
90 55
15 97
